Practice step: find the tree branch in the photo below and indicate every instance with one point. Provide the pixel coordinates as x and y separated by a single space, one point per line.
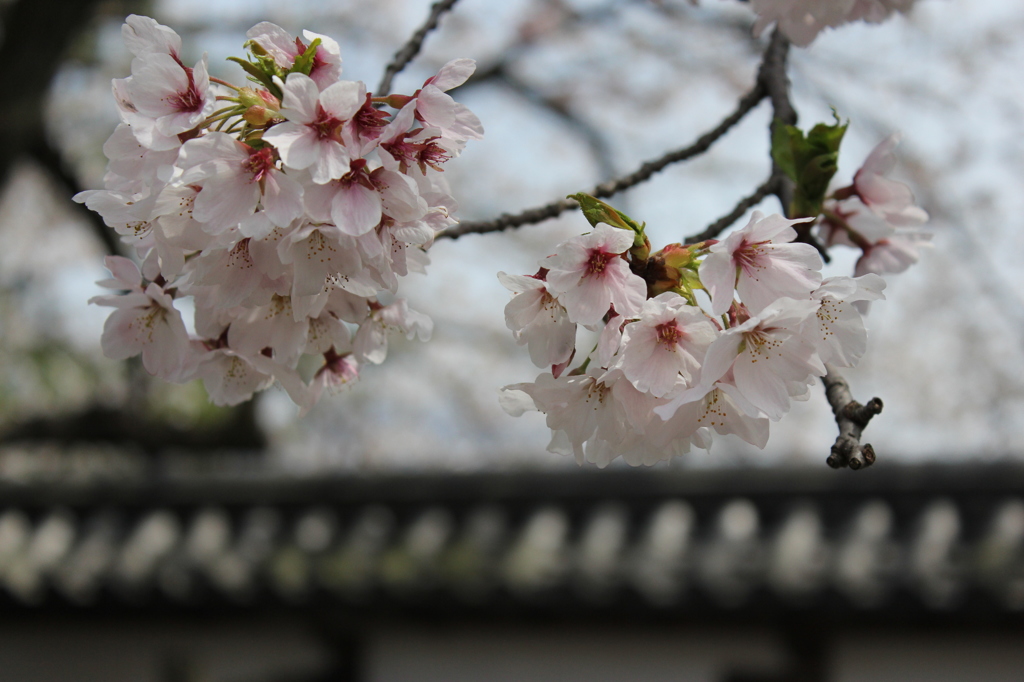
591 135
852 418
51 160
773 76
774 79
716 228
412 47
607 189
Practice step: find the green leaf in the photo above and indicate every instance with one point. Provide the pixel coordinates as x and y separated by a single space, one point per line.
809 161
784 139
828 137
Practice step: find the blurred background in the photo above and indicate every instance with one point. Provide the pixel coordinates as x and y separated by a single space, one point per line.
123 495
571 93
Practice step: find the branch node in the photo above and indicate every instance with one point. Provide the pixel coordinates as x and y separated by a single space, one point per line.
851 418
869 454
862 414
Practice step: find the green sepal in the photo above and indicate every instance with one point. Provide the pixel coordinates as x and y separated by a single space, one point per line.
596 211
690 279
809 161
304 62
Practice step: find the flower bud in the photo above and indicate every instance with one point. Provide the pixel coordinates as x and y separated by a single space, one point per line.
260 106
394 101
678 256
674 268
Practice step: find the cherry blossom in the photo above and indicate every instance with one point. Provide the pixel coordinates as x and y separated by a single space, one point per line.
893 254
228 277
279 220
358 201
280 45
339 371
272 327
770 362
439 110
714 409
890 199
134 167
143 35
311 137
145 322
371 341
588 276
760 264
538 321
664 349
802 20
230 378
129 214
236 179
318 254
401 149
877 215
288 225
837 328
175 97
876 11
576 407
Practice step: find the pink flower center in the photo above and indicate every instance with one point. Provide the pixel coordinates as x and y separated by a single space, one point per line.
598 261
260 163
669 333
339 369
325 125
359 175
749 256
424 153
368 121
189 99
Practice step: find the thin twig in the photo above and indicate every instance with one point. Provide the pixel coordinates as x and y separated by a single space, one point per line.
717 227
773 76
590 134
412 47
51 160
851 418
607 189
774 79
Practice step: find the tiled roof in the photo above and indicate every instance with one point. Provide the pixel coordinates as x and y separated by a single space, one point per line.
933 540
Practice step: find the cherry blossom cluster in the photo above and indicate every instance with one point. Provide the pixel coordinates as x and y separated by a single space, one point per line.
283 212
717 336
802 20
877 215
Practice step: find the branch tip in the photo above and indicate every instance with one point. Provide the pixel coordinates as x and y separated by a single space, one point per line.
851 418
